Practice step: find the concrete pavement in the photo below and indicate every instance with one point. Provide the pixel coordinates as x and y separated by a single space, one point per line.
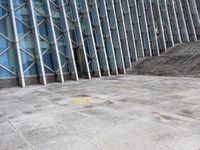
121 113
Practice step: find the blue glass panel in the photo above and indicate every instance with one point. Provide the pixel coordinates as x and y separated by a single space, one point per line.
8 60
61 44
27 61
21 29
2 12
48 60
4 73
27 44
18 2
42 30
23 15
4 3
4 43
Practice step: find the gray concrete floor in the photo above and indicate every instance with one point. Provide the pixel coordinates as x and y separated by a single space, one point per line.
125 113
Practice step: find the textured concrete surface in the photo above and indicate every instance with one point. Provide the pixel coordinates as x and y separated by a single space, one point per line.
123 113
181 60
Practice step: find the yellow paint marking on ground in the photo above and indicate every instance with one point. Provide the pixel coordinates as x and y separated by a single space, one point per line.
81 100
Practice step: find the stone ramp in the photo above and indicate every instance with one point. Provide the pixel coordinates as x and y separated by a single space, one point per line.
181 60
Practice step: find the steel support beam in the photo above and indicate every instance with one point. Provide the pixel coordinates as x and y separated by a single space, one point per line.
181 21
69 47
103 15
115 36
144 28
189 21
195 16
136 28
151 28
129 30
159 25
16 43
88 37
174 21
98 37
166 23
57 61
122 33
37 44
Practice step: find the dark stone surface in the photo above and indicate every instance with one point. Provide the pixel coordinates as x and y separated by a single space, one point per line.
182 60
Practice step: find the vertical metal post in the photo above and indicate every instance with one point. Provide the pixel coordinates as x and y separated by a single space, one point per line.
88 38
151 28
122 33
159 25
98 37
129 30
60 76
174 21
37 45
136 28
189 21
21 72
166 23
144 28
81 37
70 52
103 15
115 36
195 16
198 6
181 21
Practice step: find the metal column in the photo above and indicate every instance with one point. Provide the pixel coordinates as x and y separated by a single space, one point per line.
144 28
129 30
159 26
181 21
166 23
122 33
77 39
69 54
98 37
37 44
115 36
103 15
189 21
16 42
136 28
88 38
174 21
52 28
195 16
151 28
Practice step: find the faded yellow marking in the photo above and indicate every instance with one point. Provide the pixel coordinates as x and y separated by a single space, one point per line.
81 100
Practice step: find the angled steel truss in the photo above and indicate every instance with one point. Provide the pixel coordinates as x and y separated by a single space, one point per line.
46 41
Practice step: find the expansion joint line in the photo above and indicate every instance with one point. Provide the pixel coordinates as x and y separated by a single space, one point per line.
30 146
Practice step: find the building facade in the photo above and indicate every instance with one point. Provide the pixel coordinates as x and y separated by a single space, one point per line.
44 41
